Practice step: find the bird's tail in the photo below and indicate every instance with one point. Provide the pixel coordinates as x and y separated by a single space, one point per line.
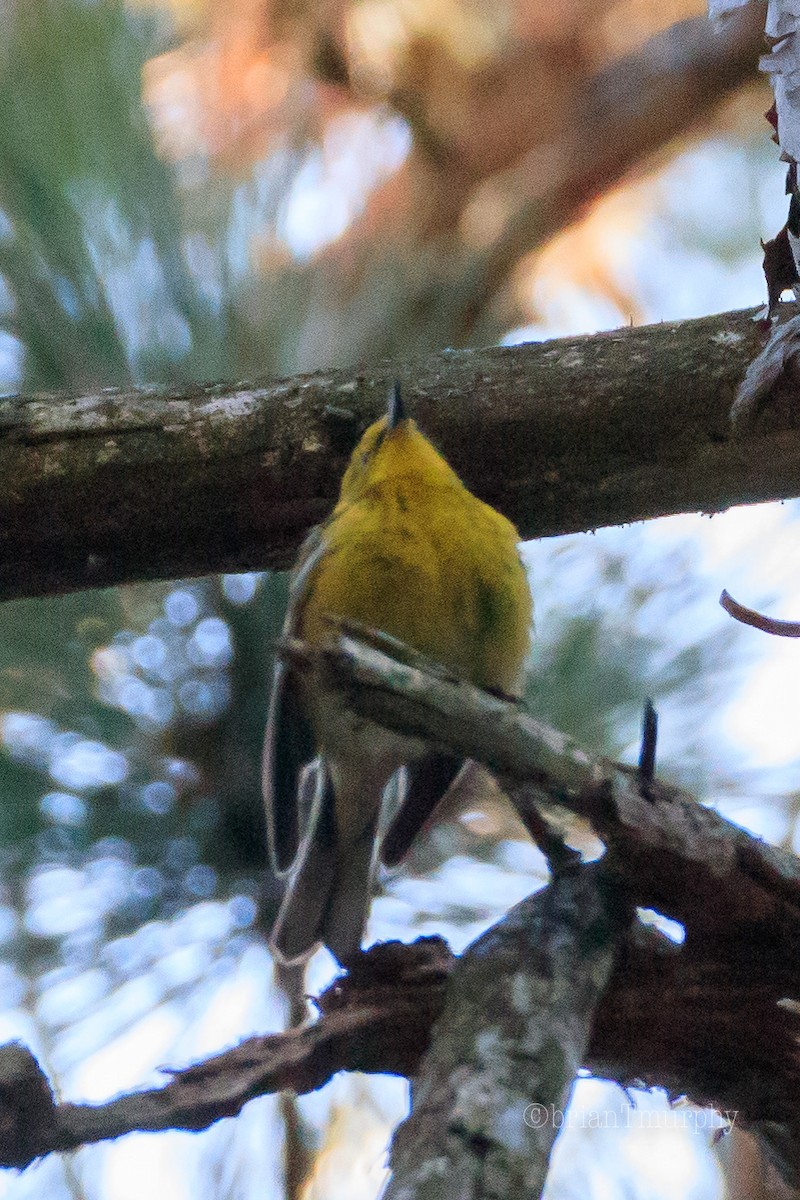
329 893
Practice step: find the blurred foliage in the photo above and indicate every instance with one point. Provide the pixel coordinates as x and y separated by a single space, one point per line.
110 673
190 191
90 212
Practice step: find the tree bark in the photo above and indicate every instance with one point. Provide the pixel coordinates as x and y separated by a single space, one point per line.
561 436
492 1090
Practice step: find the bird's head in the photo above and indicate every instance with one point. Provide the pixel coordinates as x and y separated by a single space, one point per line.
390 449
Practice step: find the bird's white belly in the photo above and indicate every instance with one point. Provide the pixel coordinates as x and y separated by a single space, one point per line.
362 757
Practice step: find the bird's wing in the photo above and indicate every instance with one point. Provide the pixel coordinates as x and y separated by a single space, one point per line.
427 782
289 738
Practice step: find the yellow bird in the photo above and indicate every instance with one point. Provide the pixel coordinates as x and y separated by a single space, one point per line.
410 551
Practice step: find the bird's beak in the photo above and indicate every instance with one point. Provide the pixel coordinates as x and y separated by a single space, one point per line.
397 412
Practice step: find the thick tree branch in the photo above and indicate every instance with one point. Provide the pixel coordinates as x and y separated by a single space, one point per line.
563 435
513 1035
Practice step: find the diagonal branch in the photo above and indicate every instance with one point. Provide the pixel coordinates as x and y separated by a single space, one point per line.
562 435
628 111
678 856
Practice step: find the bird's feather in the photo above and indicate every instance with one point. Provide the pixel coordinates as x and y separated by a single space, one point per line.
329 894
428 780
289 743
296 931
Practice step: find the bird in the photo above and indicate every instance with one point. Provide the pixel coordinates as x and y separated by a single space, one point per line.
408 550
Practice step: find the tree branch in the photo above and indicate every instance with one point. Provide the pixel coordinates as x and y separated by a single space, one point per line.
563 435
675 854
738 899
376 1019
717 1019
513 1035
703 1026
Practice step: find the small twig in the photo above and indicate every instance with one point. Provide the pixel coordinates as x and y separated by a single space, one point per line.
297 1157
647 752
560 857
749 616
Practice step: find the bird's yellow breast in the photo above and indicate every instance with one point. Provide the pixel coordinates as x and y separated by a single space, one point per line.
409 550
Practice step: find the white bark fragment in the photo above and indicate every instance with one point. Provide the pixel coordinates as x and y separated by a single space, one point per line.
782 63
